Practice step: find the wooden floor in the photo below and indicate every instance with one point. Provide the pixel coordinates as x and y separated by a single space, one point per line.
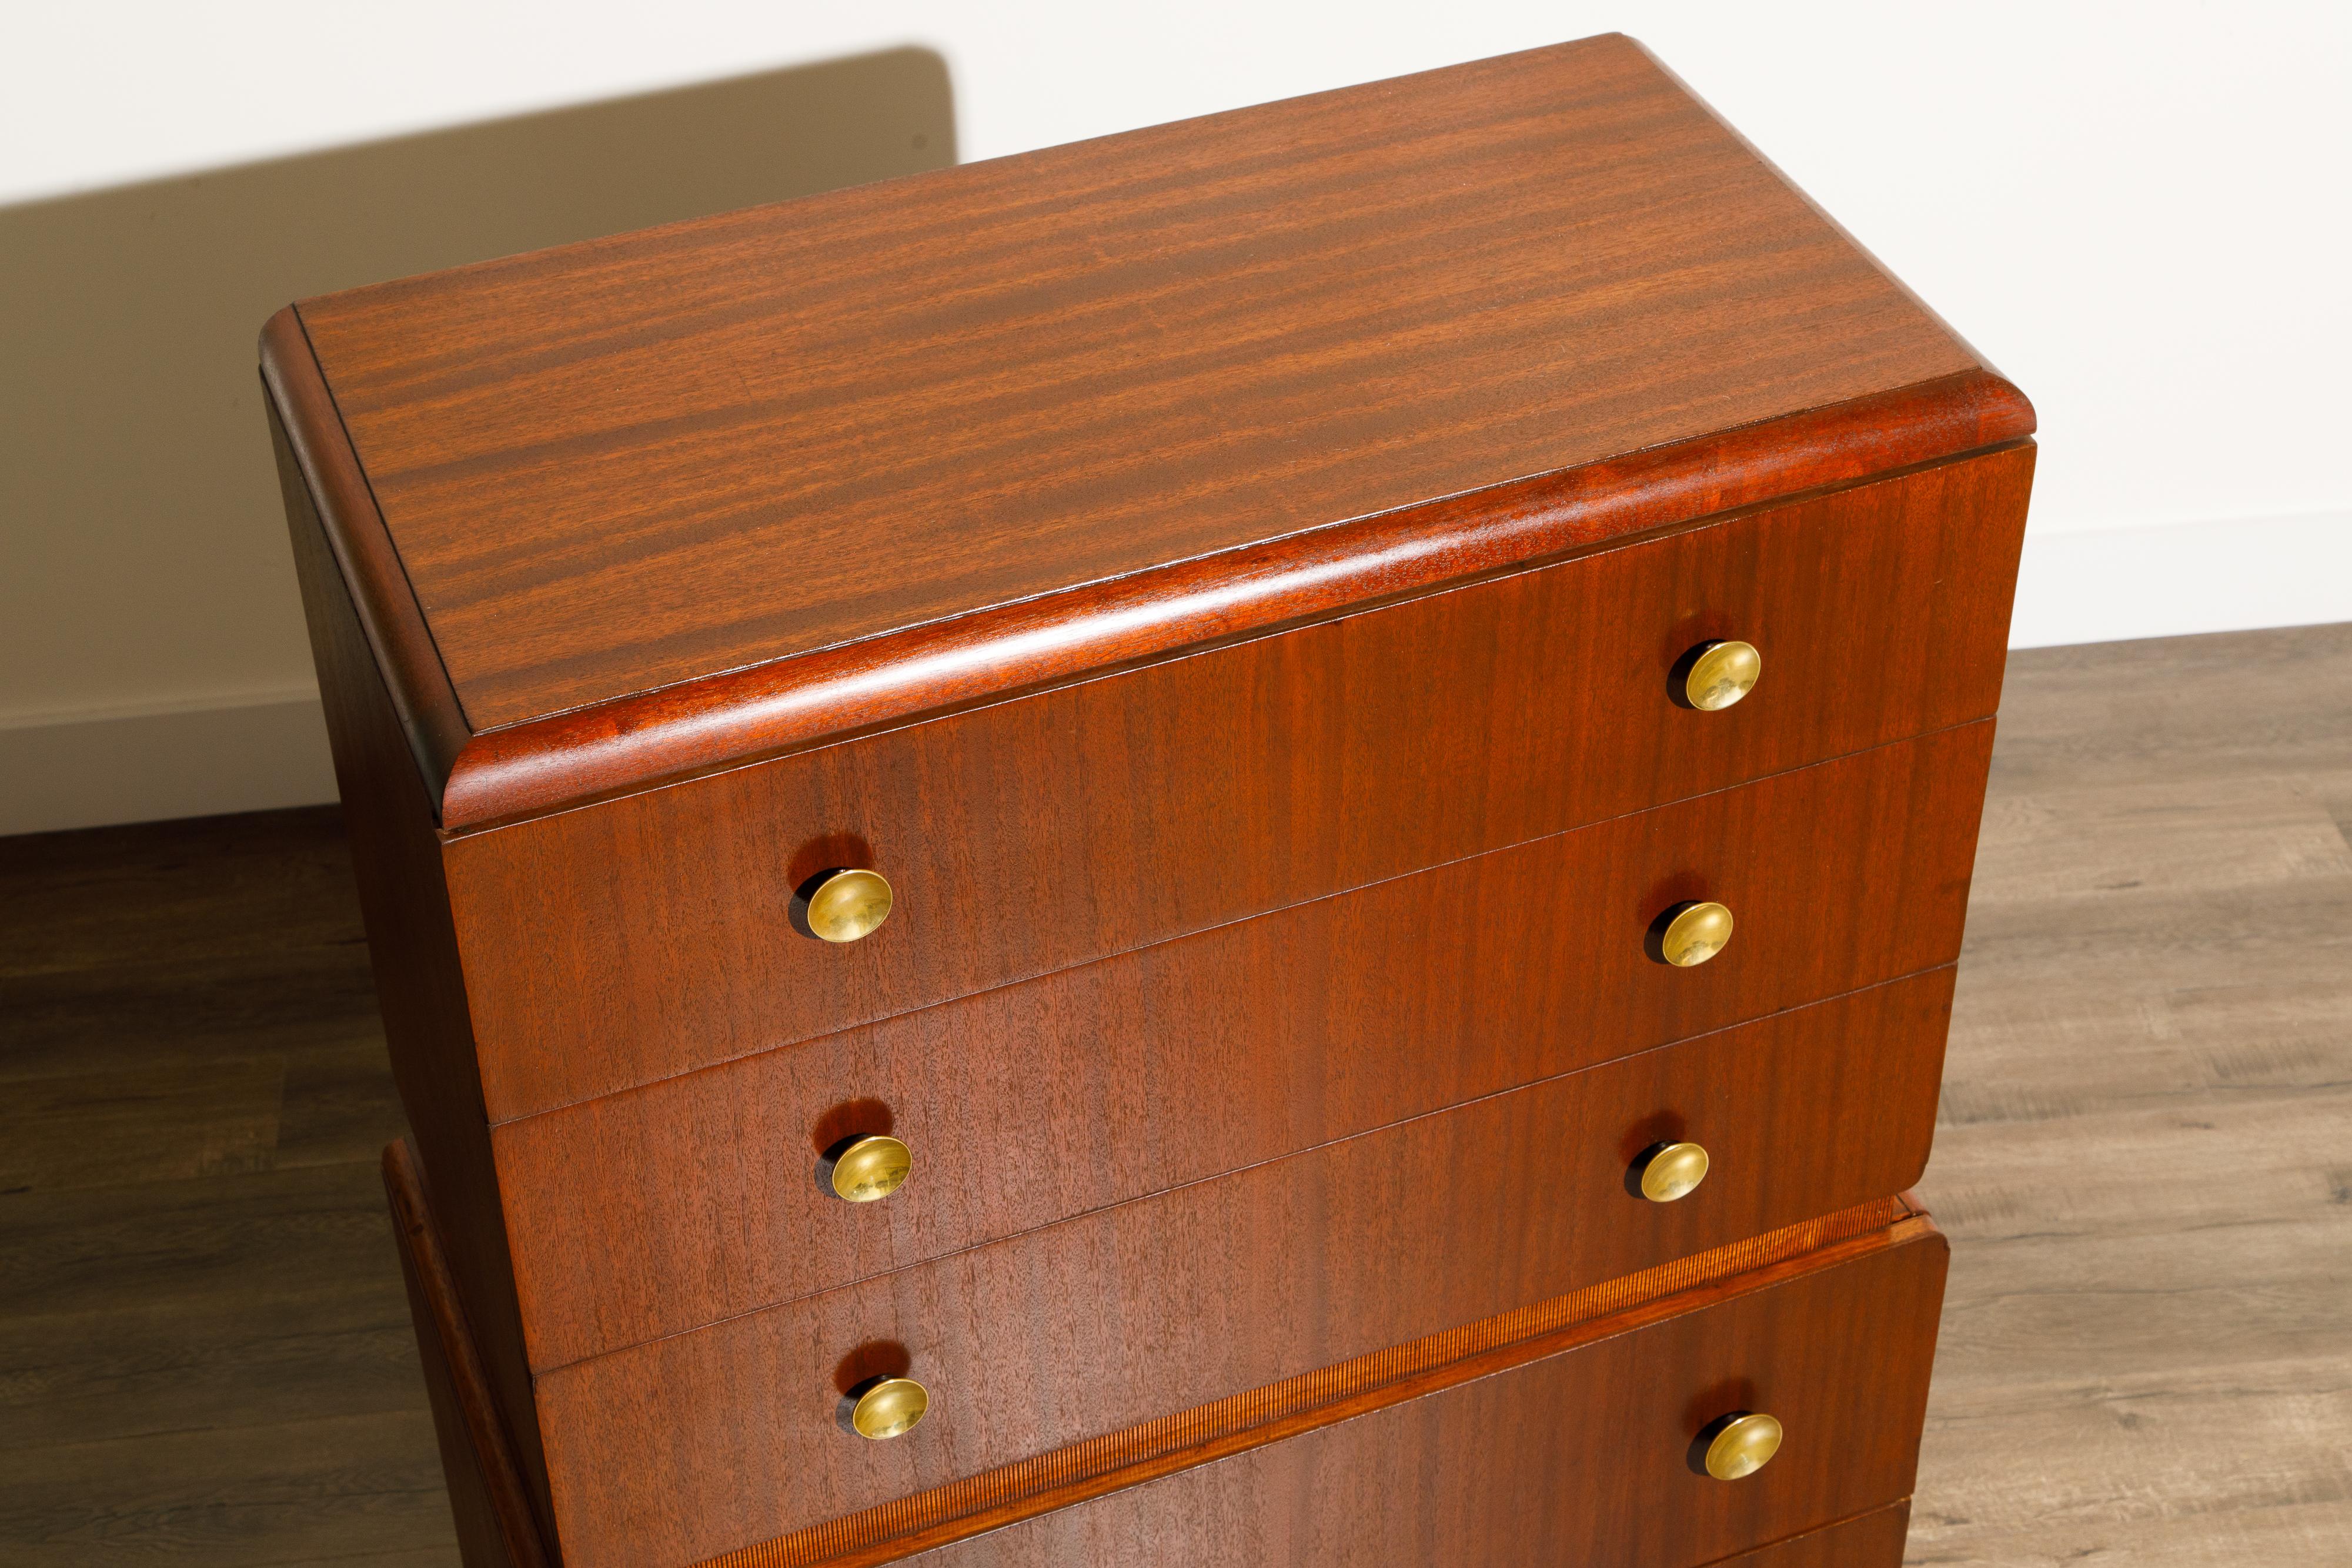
2145 1149
2145 1161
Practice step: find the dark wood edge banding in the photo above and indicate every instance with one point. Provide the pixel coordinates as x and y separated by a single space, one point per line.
470 1383
419 685
1322 1398
764 710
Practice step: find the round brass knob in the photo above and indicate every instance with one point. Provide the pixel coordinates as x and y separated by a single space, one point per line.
865 1169
1721 674
1693 933
1743 1444
848 905
1671 1171
888 1407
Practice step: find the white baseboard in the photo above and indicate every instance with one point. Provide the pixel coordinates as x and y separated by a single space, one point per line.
2174 580
2093 586
181 761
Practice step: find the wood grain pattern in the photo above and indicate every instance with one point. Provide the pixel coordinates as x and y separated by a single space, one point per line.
1807 1112
650 936
1112 1319
336 503
397 862
614 470
1283 1411
1790 1336
203 1354
1119 1536
1874 1539
692 1200
492 1538
1111 545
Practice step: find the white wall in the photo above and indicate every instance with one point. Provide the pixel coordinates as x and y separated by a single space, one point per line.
2137 211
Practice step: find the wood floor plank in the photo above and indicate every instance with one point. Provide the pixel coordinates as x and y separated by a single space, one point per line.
153 1123
139 1371
2125 1474
339 1106
178 943
2141 1156
251 1237
204 1347
2178 707
305 1492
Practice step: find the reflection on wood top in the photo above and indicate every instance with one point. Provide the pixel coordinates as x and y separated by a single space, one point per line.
740 475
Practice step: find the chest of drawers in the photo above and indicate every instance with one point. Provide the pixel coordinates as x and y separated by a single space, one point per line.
1241 845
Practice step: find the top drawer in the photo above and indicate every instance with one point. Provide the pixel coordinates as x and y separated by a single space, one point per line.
647 936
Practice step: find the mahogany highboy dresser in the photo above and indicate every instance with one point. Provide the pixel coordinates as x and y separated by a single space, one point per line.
1241 845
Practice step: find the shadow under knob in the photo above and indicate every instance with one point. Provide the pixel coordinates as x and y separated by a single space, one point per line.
847 905
1744 1443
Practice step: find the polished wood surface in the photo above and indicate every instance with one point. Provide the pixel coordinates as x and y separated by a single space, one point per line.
1280 536
1873 1539
1125 1314
1812 1109
763 709
411 947
650 936
324 490
1100 381
1279 1412
1273 1414
205 1353
692 1200
1603 1409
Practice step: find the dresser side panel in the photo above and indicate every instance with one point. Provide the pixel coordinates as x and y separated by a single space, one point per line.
314 451
420 981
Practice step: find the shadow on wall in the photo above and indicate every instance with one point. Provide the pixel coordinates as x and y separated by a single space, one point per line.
153 661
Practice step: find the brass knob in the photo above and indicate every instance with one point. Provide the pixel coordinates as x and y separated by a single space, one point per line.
848 905
864 1169
1670 1171
1744 1443
1693 933
884 1408
1721 674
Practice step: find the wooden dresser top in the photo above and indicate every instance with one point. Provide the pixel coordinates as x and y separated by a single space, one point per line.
626 511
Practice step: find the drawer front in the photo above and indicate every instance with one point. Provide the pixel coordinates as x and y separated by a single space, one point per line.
696 1199
1371 1506
1093 1325
1584 1438
646 936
